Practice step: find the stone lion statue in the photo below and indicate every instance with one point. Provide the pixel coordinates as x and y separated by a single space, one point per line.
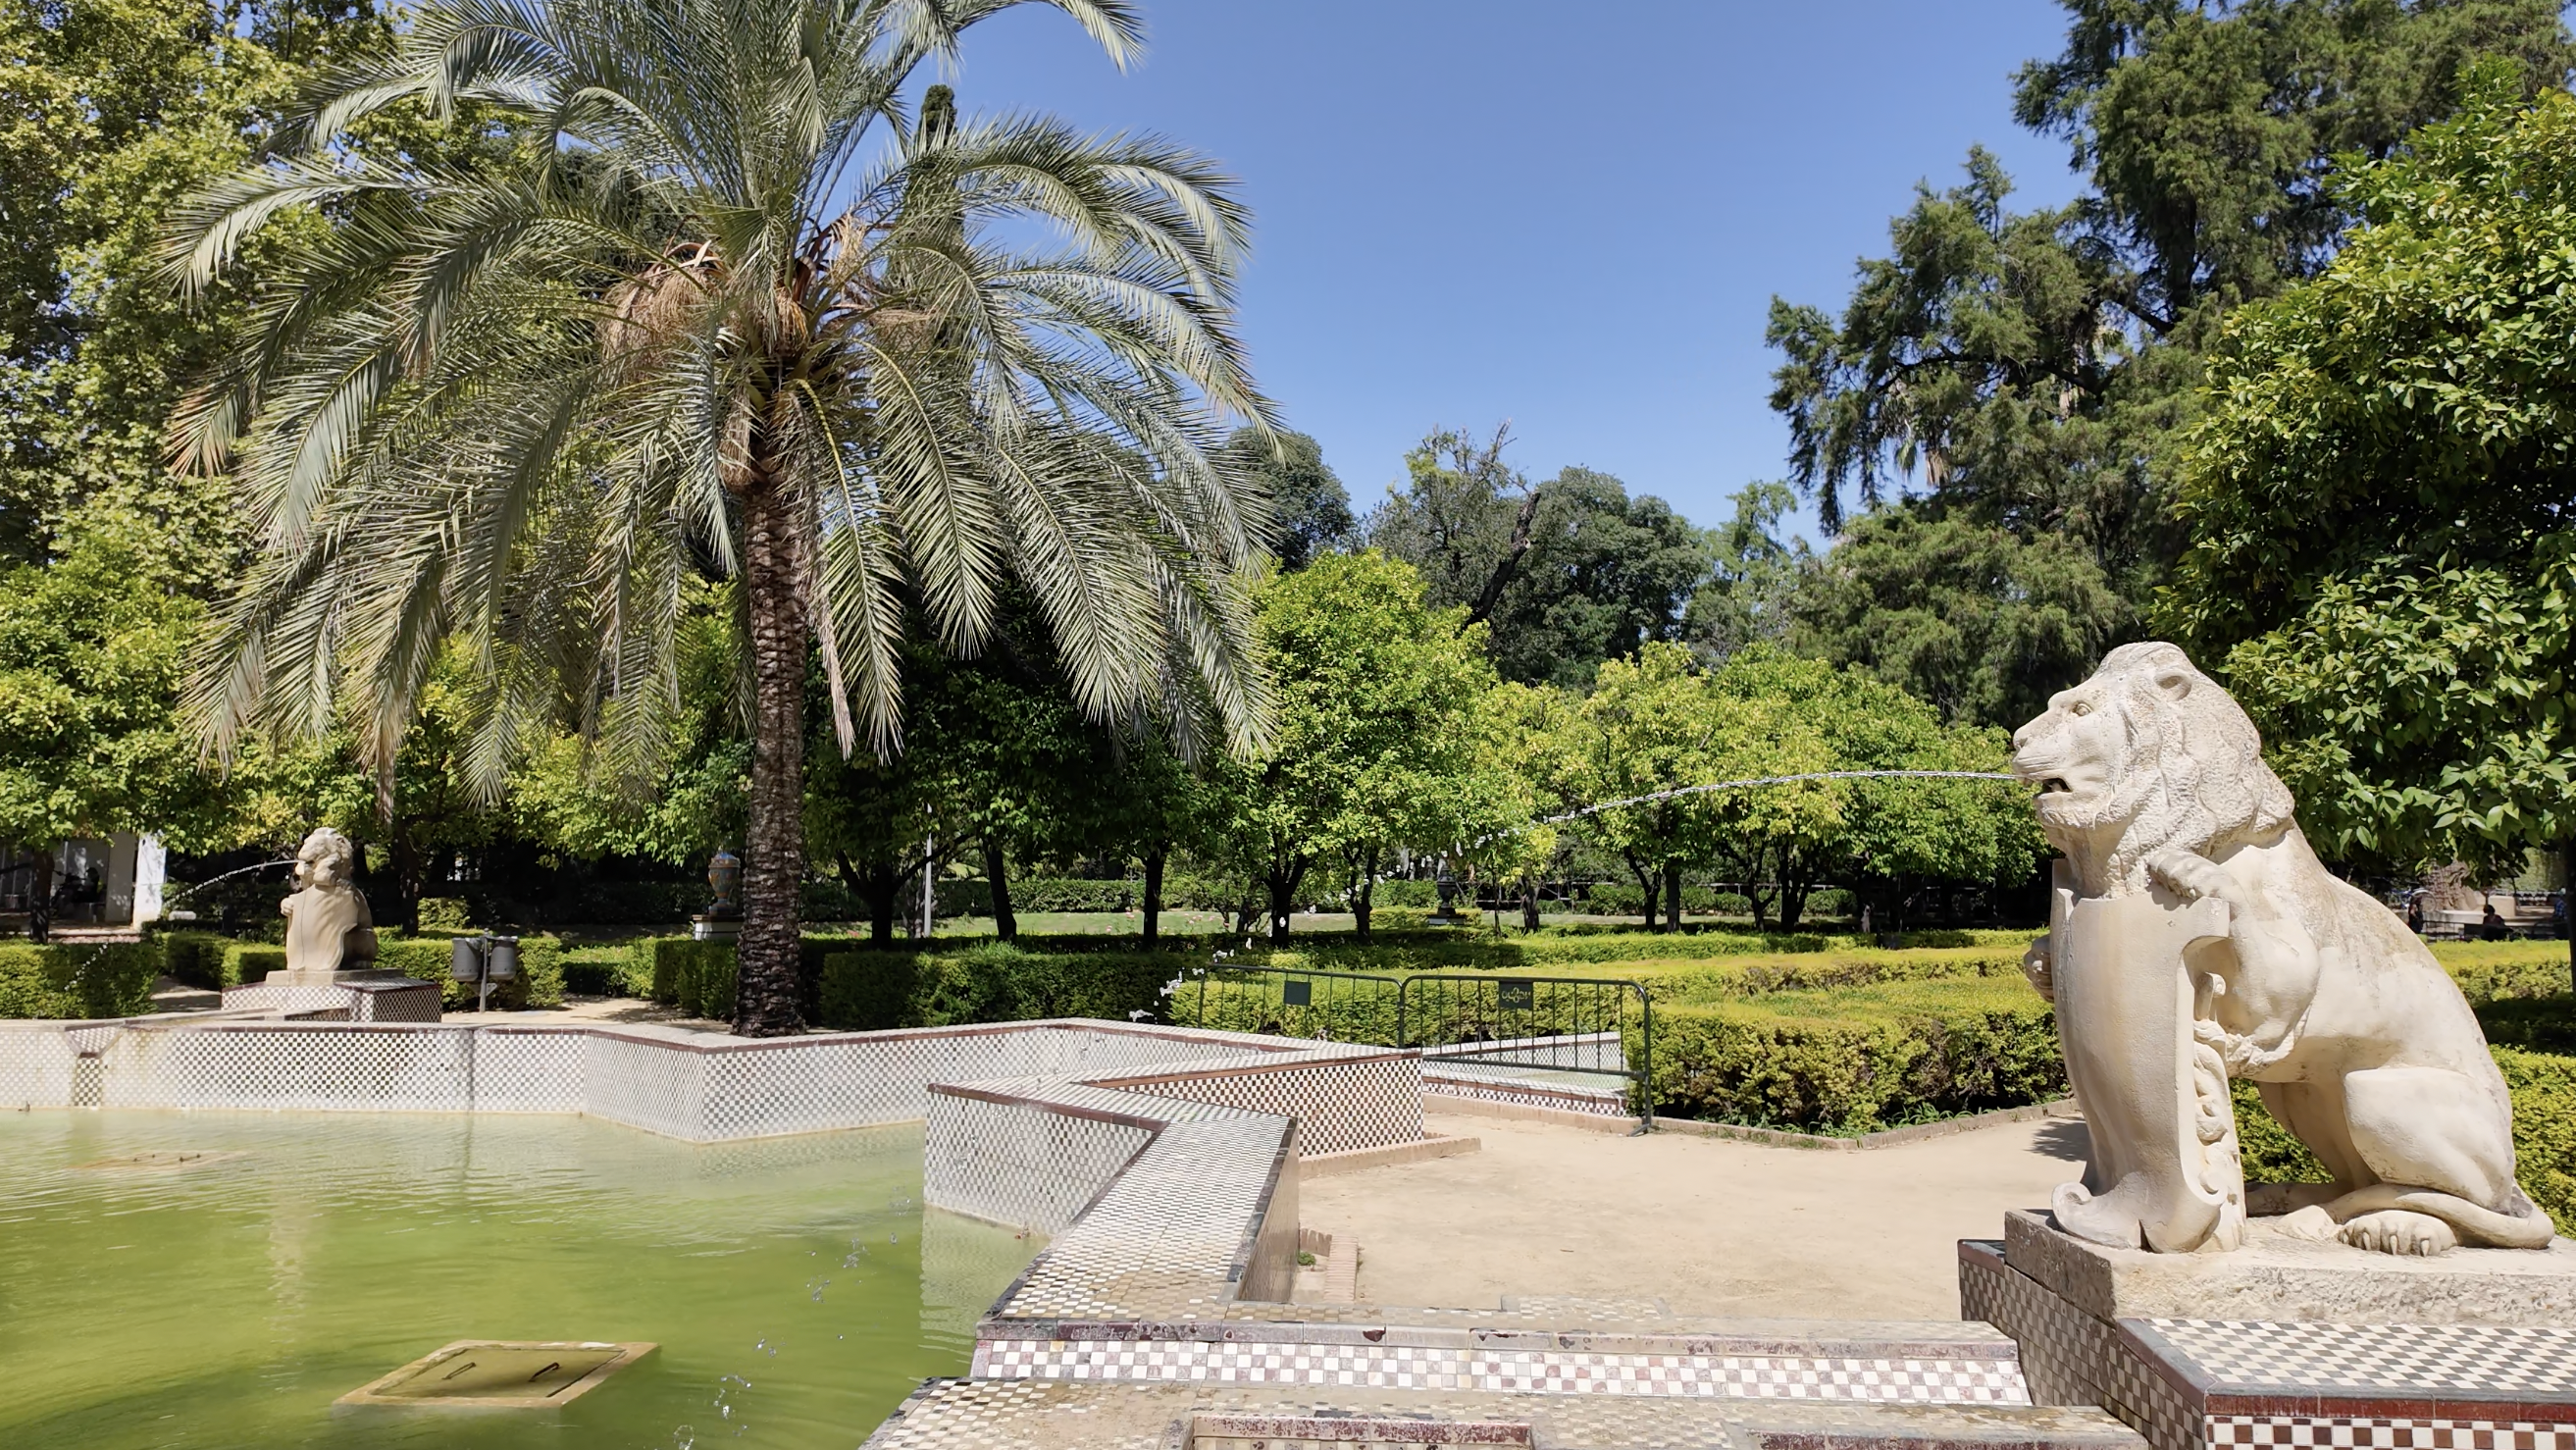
2153 785
328 927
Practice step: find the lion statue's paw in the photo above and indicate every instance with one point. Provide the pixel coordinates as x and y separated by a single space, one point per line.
2397 1231
2188 874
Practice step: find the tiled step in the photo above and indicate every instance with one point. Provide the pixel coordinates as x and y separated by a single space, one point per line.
1888 1364
1059 1415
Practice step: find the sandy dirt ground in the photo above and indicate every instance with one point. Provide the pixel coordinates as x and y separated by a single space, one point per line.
1708 1226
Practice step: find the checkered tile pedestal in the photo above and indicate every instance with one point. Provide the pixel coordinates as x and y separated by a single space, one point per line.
355 997
2090 1332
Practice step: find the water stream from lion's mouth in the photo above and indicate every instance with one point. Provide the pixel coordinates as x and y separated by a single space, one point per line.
157 1293
1651 798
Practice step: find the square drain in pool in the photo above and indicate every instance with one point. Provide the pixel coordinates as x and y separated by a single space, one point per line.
501 1374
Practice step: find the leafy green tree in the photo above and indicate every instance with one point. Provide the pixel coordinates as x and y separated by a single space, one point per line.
1310 511
727 307
91 652
1605 574
1754 576
2381 497
1971 617
1376 744
2208 131
1888 838
1534 766
1652 725
2035 372
1566 574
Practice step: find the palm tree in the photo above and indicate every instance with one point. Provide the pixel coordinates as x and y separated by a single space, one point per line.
728 307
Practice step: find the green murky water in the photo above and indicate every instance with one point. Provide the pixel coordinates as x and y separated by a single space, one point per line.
796 1287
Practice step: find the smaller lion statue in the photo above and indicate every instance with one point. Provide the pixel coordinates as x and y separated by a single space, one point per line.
2153 784
328 928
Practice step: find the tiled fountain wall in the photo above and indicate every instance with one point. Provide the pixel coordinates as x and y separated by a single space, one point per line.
1162 1159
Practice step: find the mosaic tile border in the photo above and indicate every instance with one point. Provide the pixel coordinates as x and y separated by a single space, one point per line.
1399 1361
2255 1432
2192 1384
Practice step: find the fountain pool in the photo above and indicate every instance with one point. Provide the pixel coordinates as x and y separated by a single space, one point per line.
218 1279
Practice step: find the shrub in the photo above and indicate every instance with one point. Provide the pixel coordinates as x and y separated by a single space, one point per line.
82 980
1858 1059
605 971
431 957
251 961
198 958
694 976
2494 971
442 911
994 982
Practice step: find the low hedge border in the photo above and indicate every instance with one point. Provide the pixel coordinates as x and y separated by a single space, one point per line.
428 957
78 980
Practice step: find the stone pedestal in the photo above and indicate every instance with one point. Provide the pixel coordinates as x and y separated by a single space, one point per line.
343 997
711 928
2289 1342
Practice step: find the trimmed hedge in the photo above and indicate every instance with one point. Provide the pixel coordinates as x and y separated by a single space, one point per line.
428 958
78 980
2544 1134
1855 1060
605 971
198 958
431 957
871 990
694 976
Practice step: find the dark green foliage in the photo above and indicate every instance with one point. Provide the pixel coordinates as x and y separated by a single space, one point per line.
870 990
1309 509
2533 1024
605 971
197 958
2208 130
431 957
1975 619
2380 505
78 981
1567 573
252 961
2035 372
1858 1059
694 976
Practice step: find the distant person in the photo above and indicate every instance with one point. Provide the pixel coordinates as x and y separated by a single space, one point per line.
2415 915
2558 916
2492 928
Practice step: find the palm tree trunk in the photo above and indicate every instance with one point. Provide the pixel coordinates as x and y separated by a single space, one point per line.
1153 896
1006 923
773 864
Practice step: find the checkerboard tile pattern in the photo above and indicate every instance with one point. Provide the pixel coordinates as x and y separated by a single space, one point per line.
2237 1432
1453 1080
2072 1358
1341 1102
35 1064
1489 1370
2421 1359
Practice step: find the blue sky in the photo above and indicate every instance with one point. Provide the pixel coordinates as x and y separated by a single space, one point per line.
1573 216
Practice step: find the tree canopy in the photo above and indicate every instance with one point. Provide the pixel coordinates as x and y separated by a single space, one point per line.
2033 374
2380 501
